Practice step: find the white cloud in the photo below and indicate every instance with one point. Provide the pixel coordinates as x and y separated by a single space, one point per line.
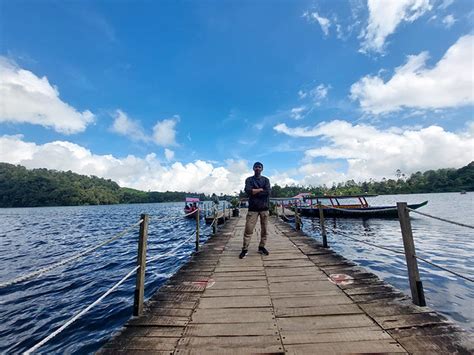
325 23
164 132
169 154
27 98
141 173
128 127
297 113
385 16
448 84
320 92
317 94
302 94
374 153
445 4
448 21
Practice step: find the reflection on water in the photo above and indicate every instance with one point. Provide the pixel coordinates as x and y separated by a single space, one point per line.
31 238
445 244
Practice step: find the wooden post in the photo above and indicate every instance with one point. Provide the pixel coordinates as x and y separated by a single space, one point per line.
214 226
141 260
323 226
297 218
416 287
197 229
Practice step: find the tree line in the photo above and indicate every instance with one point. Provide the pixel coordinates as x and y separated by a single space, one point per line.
441 180
21 187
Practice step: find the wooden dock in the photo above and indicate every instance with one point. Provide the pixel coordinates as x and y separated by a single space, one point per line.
281 303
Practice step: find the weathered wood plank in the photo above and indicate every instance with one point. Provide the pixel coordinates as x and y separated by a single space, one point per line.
233 315
325 322
342 309
235 302
232 329
365 347
334 335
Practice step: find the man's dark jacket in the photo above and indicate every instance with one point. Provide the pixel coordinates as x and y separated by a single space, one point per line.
258 202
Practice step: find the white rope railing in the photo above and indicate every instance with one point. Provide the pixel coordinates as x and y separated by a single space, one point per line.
190 213
441 219
193 235
80 314
68 260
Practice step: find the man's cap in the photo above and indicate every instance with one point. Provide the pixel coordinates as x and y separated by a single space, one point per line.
257 163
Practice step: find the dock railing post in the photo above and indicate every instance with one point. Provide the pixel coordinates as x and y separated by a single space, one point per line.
214 226
197 229
322 224
416 286
297 218
141 261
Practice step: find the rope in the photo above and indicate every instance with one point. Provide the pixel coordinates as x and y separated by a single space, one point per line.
190 213
441 219
174 249
443 268
375 245
66 261
80 314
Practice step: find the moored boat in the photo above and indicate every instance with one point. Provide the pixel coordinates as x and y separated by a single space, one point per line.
332 207
192 204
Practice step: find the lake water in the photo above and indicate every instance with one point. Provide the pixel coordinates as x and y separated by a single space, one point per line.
31 238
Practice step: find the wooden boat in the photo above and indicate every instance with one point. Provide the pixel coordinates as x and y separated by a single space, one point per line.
192 203
332 207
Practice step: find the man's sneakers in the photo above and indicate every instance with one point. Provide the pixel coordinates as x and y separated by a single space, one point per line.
261 250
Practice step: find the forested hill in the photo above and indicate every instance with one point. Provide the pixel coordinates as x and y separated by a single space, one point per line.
21 187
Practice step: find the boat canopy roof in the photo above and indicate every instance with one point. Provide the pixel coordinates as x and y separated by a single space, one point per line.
339 196
192 199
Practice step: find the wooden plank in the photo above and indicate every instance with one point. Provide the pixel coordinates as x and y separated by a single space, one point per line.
263 343
302 286
232 329
334 335
409 320
235 302
151 320
365 347
318 311
310 301
221 285
325 322
145 343
298 278
308 270
233 315
211 292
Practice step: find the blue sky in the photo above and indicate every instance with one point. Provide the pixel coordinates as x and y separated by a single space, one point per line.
186 95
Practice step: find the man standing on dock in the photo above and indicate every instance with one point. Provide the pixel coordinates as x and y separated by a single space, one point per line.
257 188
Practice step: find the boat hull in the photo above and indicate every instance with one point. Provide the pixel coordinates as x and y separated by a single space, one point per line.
368 212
